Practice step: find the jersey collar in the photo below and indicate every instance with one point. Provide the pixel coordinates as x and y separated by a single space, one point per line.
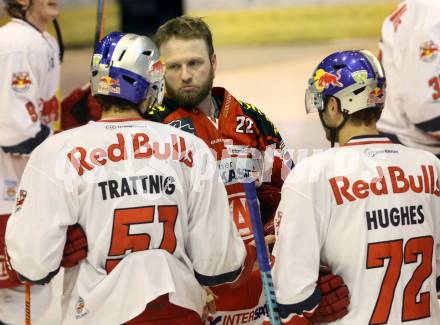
368 139
110 120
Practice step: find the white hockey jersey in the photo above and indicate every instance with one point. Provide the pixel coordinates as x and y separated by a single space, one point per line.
369 210
30 71
153 208
411 59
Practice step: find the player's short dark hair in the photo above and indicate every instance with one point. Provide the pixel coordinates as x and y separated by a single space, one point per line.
14 9
186 28
108 102
366 116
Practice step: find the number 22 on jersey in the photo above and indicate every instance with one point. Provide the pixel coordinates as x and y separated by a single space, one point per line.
398 256
125 240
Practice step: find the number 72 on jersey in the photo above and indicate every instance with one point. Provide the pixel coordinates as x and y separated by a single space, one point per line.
415 304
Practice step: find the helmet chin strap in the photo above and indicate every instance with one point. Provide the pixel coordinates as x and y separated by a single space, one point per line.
333 130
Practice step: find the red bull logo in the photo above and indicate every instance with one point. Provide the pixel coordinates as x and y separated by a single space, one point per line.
324 79
158 66
376 96
157 70
21 82
428 51
109 85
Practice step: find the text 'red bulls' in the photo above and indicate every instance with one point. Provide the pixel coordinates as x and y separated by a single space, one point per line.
142 148
397 182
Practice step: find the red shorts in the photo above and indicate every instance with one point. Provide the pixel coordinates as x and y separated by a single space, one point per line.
8 278
161 312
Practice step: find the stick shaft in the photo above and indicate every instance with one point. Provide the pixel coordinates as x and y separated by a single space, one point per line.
27 297
100 20
262 255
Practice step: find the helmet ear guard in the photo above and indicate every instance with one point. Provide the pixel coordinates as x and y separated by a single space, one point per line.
127 66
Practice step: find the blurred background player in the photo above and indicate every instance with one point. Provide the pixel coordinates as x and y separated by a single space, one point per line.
411 60
30 68
147 195
365 202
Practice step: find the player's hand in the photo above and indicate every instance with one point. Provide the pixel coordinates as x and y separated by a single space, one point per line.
76 246
210 307
335 297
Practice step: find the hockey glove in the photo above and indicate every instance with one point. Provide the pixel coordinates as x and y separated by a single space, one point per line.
75 249
78 108
335 297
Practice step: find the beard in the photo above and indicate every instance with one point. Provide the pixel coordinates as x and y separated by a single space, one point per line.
193 98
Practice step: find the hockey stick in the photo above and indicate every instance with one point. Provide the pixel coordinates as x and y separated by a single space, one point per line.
100 20
262 256
27 300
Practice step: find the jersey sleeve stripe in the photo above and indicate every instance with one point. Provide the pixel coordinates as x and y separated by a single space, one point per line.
430 126
213 280
305 306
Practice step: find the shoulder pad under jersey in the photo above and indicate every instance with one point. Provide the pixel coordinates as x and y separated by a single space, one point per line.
158 113
264 125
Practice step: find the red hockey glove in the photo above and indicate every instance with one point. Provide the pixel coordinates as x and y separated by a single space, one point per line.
8 277
78 108
76 246
269 197
335 297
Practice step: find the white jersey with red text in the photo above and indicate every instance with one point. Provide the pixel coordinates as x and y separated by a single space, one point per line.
410 49
30 74
369 210
153 208
30 70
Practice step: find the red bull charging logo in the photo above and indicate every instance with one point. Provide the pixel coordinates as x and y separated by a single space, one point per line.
376 96
109 85
428 51
324 79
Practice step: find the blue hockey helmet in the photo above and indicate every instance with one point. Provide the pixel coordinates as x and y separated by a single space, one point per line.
127 66
356 78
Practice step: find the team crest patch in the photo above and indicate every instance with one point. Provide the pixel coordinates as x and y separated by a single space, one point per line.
108 85
184 124
21 82
428 51
10 190
80 308
20 200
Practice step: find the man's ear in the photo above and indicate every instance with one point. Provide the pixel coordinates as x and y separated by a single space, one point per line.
24 3
214 62
333 105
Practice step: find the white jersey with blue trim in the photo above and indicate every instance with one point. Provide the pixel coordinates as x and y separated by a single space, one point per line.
369 210
153 208
410 49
